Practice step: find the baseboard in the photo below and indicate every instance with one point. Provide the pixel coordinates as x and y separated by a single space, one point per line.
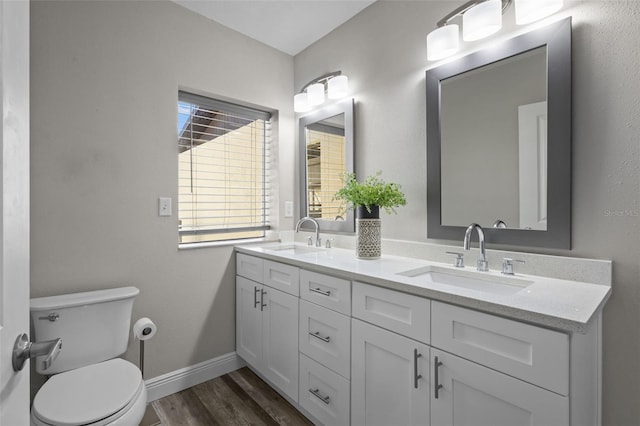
179 380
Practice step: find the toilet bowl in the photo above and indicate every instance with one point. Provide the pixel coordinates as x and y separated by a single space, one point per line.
87 384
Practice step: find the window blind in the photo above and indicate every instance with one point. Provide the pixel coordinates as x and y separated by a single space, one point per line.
223 170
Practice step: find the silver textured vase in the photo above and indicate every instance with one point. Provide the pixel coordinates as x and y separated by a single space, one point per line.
368 236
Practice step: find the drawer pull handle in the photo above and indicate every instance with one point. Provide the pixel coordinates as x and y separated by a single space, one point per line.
262 304
322 292
437 386
256 290
317 394
317 335
416 376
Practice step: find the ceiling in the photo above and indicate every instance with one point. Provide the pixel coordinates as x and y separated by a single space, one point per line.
287 25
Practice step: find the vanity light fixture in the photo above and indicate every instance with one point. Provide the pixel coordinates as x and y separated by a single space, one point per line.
313 93
480 19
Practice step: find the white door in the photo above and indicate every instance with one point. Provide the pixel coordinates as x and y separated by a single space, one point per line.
532 152
248 321
473 395
389 378
280 340
14 217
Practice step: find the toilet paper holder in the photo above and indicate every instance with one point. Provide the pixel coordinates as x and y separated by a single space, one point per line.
143 329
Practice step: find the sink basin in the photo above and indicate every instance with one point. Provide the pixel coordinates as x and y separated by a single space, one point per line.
294 249
478 281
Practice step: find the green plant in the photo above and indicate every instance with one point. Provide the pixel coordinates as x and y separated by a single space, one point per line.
372 192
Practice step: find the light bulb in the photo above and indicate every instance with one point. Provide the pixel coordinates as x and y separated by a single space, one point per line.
300 103
443 42
482 20
315 94
338 87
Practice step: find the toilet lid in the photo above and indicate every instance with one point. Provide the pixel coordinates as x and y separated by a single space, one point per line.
87 394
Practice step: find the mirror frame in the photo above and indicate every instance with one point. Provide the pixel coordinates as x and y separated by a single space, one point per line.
557 38
346 107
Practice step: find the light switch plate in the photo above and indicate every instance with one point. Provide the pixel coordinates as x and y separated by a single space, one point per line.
288 209
164 206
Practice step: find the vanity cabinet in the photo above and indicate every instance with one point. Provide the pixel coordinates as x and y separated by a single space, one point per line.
496 371
470 394
361 354
267 326
389 378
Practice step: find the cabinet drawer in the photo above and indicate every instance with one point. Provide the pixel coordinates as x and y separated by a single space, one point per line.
324 393
282 277
249 267
399 312
533 354
330 292
325 336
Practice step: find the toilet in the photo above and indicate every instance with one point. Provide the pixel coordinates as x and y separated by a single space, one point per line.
88 384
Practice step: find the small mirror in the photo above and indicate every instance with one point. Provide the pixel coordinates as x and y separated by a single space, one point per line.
326 154
499 141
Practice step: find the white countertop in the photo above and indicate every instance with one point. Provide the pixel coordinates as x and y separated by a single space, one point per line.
555 303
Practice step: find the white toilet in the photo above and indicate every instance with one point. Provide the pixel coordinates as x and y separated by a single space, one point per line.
88 384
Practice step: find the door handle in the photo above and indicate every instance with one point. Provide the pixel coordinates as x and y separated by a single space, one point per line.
255 297
262 304
416 376
436 386
23 349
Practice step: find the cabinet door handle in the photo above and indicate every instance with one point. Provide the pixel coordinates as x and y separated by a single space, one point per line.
262 304
416 376
436 386
317 394
256 290
320 291
317 335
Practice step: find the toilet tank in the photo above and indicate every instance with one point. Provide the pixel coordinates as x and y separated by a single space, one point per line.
94 326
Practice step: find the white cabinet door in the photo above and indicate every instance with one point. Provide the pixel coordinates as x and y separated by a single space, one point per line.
248 321
280 340
389 378
473 395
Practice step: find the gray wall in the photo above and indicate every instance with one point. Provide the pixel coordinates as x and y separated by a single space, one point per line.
104 83
383 52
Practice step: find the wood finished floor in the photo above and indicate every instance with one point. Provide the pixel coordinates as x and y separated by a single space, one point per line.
237 398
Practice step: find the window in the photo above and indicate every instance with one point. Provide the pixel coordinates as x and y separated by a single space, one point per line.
223 170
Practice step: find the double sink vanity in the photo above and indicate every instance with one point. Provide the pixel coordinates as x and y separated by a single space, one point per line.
404 341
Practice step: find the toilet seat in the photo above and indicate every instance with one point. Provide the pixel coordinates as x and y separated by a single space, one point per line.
96 394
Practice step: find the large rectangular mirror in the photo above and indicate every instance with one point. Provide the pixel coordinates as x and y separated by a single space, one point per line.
499 141
326 154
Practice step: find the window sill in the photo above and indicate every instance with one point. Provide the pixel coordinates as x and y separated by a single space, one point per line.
191 246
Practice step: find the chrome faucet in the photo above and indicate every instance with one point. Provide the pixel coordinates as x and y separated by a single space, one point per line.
315 222
483 264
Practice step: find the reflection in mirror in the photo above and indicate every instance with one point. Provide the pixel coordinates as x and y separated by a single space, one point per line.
499 141
326 145
495 116
325 166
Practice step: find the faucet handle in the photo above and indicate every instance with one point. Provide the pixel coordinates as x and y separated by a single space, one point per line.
507 265
310 241
458 262
327 242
